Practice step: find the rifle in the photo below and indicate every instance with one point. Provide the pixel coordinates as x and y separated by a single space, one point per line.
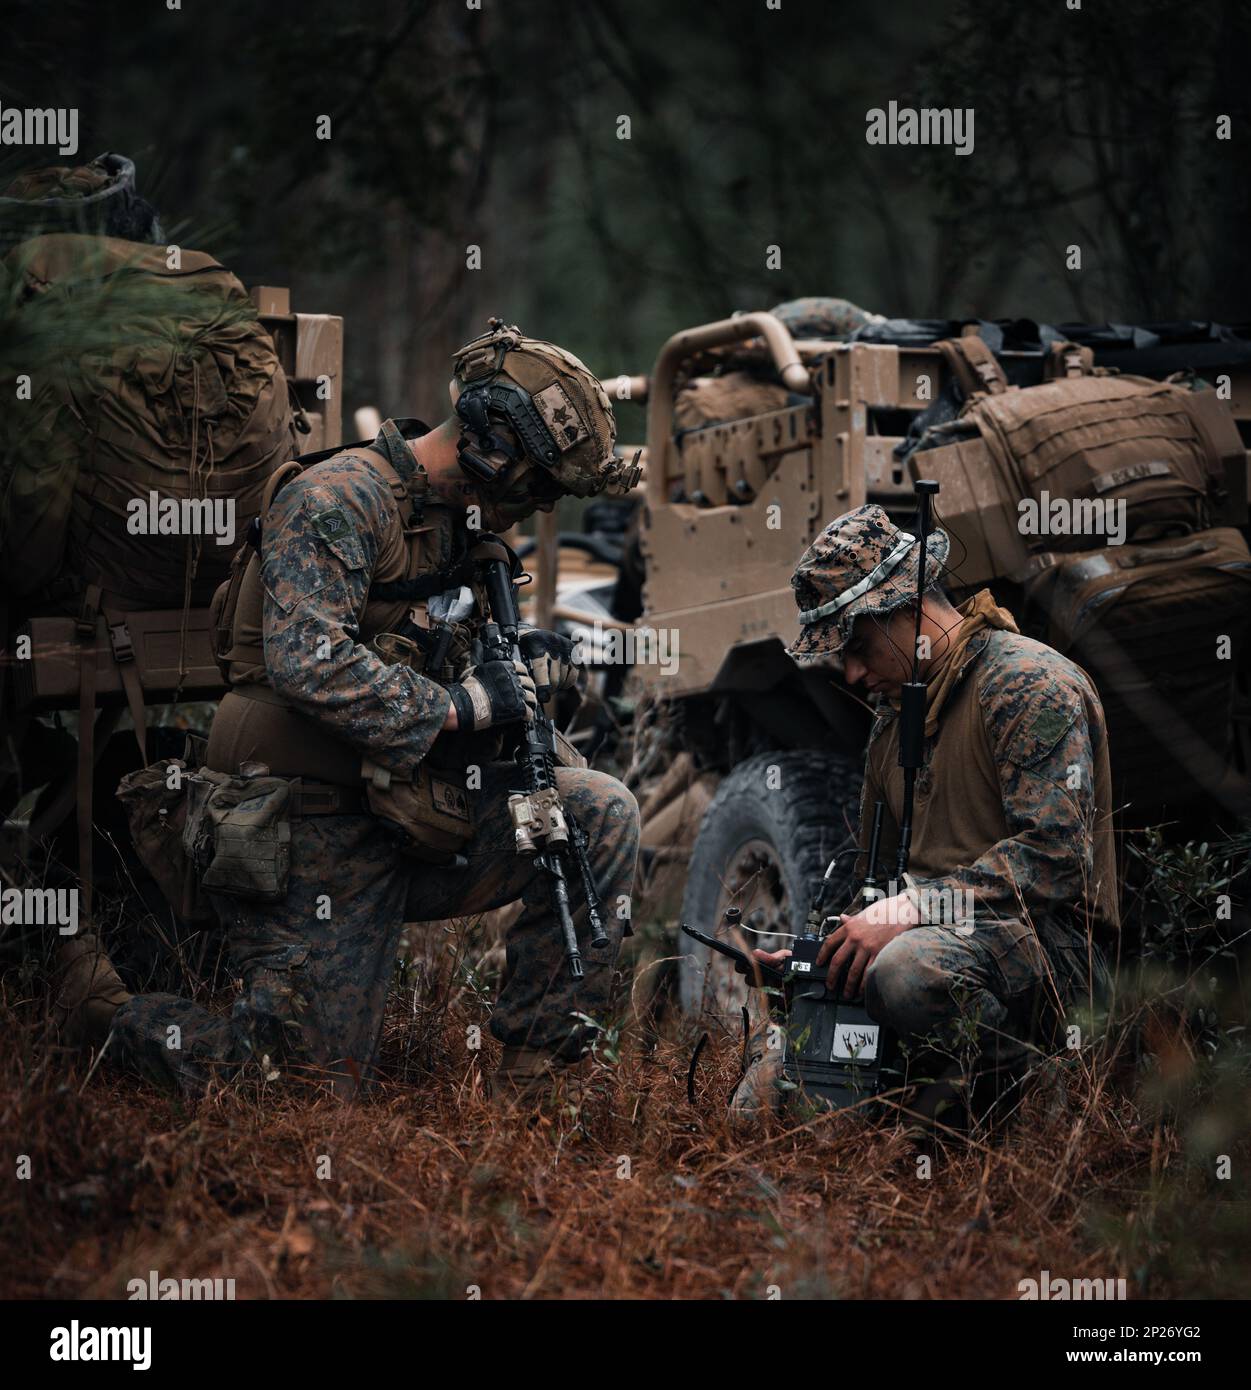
542 827
834 1052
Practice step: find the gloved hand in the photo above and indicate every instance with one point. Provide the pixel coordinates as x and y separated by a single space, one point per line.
497 692
551 659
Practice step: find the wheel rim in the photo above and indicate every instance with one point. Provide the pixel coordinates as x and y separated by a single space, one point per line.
754 883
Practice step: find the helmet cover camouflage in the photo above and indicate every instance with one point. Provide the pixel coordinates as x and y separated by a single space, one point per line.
862 563
559 412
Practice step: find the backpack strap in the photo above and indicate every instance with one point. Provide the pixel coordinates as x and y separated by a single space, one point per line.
390 454
973 365
1068 360
274 484
404 474
222 634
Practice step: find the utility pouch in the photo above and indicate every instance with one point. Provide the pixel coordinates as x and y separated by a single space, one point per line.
400 651
431 812
238 834
156 799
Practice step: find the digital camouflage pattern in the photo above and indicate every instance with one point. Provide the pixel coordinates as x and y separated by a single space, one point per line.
819 316
316 967
1012 860
1013 803
1012 863
323 541
989 999
851 550
315 987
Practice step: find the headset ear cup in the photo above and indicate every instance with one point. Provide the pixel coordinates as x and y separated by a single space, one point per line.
472 464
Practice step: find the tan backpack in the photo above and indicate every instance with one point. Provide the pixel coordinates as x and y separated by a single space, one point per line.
1144 618
175 390
1093 438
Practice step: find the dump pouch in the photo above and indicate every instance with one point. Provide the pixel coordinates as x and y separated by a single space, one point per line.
156 803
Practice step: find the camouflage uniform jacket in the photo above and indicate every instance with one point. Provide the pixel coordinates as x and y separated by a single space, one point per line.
1012 805
342 560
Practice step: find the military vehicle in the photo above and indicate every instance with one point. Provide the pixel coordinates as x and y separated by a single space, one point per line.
747 767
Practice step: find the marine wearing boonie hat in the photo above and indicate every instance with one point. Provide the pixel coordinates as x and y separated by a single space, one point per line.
861 563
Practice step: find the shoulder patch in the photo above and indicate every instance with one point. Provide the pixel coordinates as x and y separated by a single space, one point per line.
1047 727
331 525
336 528
1040 728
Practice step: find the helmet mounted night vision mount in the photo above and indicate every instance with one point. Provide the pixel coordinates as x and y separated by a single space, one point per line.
483 453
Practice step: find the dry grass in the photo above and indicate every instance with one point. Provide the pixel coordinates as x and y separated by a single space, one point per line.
427 1189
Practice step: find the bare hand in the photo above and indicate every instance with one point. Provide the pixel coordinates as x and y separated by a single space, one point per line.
766 958
854 944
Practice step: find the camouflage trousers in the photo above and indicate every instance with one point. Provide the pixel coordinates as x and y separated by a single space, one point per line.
987 999
315 968
982 1003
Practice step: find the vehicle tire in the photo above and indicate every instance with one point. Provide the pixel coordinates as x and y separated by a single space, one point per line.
765 841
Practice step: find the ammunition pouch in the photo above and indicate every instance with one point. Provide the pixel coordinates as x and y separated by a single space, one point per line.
430 812
238 834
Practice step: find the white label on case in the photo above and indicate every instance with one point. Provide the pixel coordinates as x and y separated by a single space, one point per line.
855 1042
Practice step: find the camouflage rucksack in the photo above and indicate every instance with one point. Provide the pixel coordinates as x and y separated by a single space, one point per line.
154 394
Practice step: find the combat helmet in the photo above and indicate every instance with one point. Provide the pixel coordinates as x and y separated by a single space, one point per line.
529 407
